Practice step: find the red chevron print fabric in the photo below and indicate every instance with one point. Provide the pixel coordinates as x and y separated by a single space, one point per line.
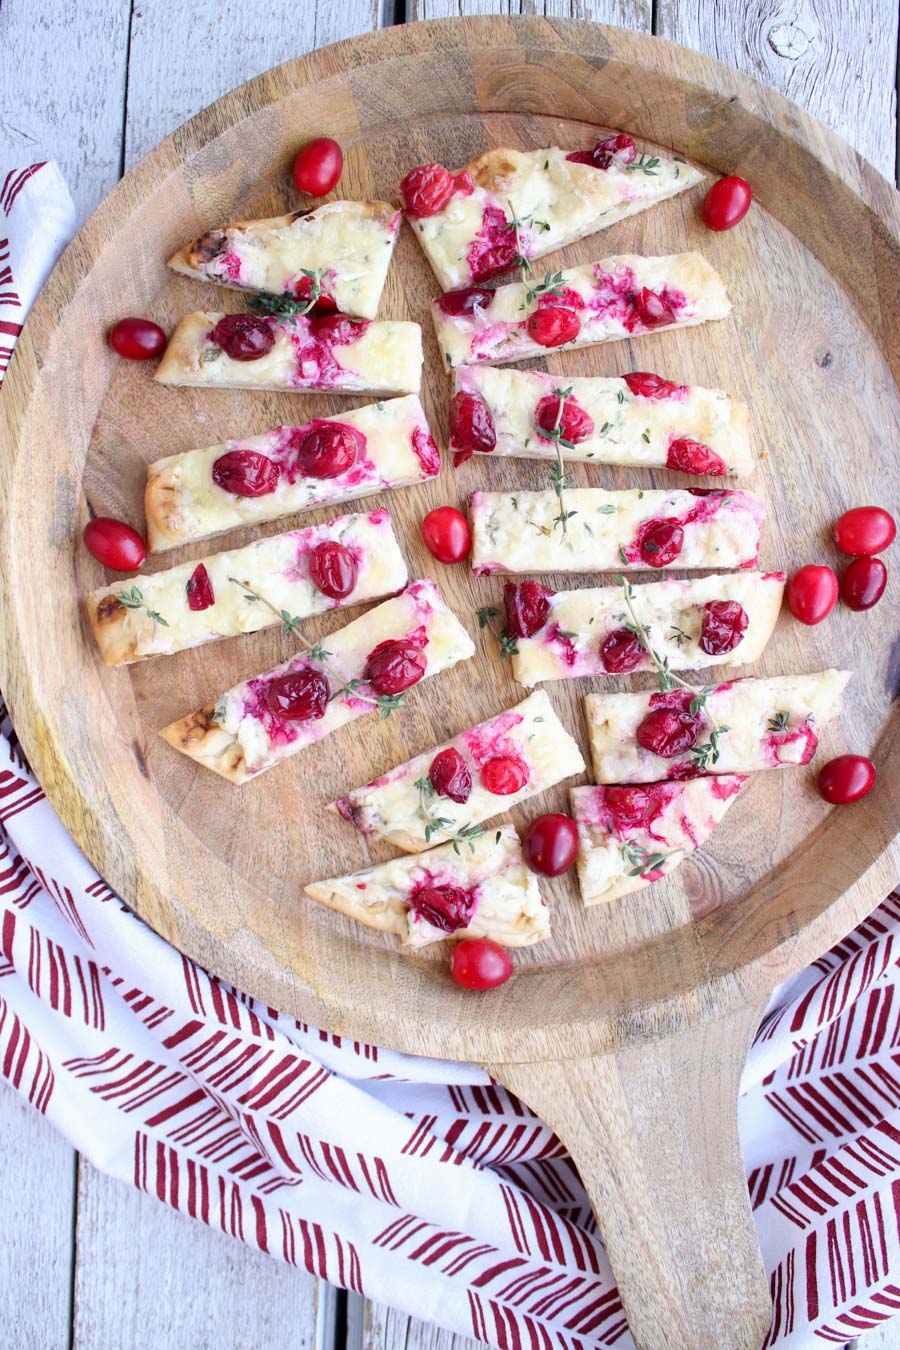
37 218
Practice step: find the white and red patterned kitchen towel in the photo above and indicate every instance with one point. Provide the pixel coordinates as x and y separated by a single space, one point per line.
412 1181
37 220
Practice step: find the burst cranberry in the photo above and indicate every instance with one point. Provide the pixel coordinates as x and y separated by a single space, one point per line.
327 451
553 326
726 203
394 665
199 588
337 330
479 963
724 625
653 310
449 776
527 606
471 427
446 534
846 779
863 583
576 424
301 696
464 302
446 907
864 530
629 805
550 844
661 543
318 166
668 731
332 569
620 148
243 337
427 190
812 593
647 385
246 473
693 457
325 304
504 775
114 544
621 652
499 257
136 339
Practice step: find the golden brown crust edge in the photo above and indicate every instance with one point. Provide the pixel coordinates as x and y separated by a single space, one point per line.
199 736
161 511
179 362
107 617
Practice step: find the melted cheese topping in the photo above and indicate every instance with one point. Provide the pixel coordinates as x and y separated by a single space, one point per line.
770 724
627 429
609 851
394 808
597 292
277 568
183 502
243 725
509 908
570 200
350 242
578 622
516 532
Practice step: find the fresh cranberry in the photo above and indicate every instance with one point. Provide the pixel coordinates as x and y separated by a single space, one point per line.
449 776
327 451
137 339
114 544
620 148
479 963
446 534
647 385
527 606
812 593
394 665
668 731
846 779
504 775
661 543
445 907
863 583
246 473
724 625
199 588
553 326
576 423
318 166
693 457
471 427
864 530
621 652
652 309
325 304
337 330
301 696
464 302
629 805
427 190
726 203
332 569
550 844
244 337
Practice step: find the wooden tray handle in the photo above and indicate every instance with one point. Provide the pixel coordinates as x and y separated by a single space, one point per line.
653 1131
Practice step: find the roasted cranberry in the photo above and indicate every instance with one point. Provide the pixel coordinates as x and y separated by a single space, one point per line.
479 963
337 330
246 473
301 696
244 337
114 544
726 203
693 457
464 302
668 731
724 625
621 652
427 190
863 583
325 304
332 569
327 451
553 326
846 779
652 309
445 907
394 665
812 593
498 256
471 427
864 530
504 775
449 776
137 339
576 424
647 385
620 148
199 588
318 166
527 606
629 805
551 844
661 543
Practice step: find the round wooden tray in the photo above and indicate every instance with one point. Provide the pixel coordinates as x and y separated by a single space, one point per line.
628 1029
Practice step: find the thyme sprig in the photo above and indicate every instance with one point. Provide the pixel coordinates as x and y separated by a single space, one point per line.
551 285
517 224
559 479
466 834
134 599
264 302
779 722
648 164
640 859
486 612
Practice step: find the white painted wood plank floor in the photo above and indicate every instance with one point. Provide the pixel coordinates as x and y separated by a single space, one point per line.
89 1263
